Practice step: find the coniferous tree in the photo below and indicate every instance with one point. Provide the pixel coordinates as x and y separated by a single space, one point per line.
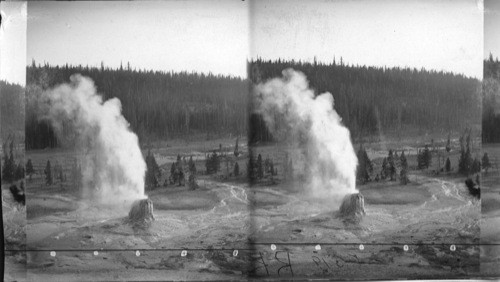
48 173
19 173
403 175
384 171
448 144
364 166
420 160
402 159
193 185
368 162
173 173
397 159
465 161
476 166
192 165
251 169
179 172
267 165
29 168
486 162
236 169
57 171
12 162
227 167
182 177
7 169
60 175
427 157
236 150
212 163
153 172
179 160
391 166
259 167
424 158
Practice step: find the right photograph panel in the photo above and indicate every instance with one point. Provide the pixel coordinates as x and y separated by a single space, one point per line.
365 138
490 223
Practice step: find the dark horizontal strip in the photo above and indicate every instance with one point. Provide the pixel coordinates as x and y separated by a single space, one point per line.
249 249
376 244
122 250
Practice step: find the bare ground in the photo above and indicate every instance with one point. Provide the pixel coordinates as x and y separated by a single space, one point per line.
490 210
428 215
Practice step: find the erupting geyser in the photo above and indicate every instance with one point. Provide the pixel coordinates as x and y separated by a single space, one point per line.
112 164
293 113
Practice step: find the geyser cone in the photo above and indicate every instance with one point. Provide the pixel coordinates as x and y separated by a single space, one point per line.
141 213
352 207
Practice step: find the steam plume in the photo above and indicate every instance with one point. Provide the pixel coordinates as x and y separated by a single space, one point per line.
113 167
294 113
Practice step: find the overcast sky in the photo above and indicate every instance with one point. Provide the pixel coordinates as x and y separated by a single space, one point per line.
435 34
215 36
206 36
13 42
492 28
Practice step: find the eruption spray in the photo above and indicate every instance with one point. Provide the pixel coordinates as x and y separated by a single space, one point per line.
293 112
112 164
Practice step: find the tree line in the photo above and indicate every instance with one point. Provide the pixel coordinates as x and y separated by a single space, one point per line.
11 170
373 99
11 110
157 104
467 164
491 101
184 170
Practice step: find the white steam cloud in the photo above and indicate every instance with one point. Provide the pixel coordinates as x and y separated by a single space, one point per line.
112 164
294 113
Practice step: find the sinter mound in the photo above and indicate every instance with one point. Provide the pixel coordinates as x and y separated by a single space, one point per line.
352 207
141 213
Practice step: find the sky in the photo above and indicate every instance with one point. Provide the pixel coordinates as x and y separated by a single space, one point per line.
434 34
203 36
13 42
218 36
492 28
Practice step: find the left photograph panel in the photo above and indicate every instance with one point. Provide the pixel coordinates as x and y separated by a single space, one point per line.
12 88
136 121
